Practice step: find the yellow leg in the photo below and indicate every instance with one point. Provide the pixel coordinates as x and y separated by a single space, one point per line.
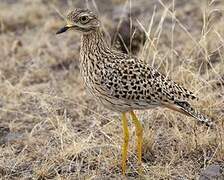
125 143
139 134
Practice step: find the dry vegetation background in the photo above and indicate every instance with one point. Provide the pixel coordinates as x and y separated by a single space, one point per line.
51 128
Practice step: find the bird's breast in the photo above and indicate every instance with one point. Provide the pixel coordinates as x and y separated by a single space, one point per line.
91 72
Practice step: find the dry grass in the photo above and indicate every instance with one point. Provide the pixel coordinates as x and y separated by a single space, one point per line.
51 128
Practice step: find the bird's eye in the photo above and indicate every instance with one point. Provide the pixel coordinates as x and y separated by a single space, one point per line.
84 19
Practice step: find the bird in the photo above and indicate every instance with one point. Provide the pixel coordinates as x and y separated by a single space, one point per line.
124 83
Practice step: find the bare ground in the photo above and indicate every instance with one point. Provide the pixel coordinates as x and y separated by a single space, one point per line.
51 128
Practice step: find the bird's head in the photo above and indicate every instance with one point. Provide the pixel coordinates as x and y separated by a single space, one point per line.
82 20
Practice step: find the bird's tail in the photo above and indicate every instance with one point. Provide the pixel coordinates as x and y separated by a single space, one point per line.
185 108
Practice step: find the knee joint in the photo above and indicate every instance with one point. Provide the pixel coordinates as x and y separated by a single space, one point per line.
126 137
139 131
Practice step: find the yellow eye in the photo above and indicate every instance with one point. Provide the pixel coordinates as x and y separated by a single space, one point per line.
84 19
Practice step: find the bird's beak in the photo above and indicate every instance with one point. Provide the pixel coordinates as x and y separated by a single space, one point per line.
65 28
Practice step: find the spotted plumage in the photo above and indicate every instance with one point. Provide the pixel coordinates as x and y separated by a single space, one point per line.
121 82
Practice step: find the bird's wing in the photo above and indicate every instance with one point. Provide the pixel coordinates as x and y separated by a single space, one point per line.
131 79
168 89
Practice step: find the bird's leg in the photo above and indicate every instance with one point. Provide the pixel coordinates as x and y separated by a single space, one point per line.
139 134
125 143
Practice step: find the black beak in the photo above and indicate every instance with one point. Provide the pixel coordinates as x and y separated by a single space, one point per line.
65 28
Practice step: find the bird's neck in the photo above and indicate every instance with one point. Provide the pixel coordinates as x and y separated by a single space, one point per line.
93 49
93 42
